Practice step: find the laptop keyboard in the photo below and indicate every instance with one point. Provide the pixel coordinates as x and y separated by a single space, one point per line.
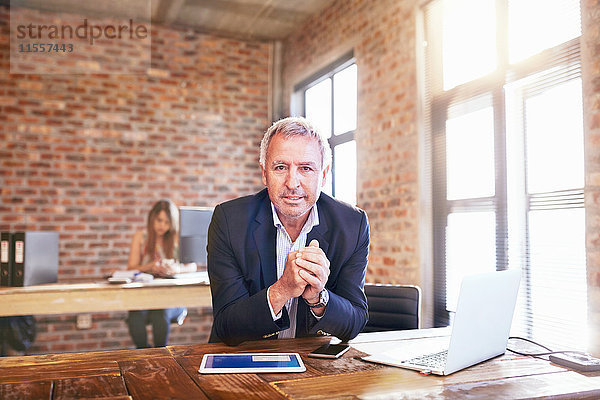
434 361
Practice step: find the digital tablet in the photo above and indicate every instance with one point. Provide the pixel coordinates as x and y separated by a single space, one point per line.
251 363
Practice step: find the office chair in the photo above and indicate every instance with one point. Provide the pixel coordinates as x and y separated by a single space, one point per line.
392 307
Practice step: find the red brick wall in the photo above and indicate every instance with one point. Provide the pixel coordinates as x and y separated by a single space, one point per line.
138 133
87 155
59 333
382 35
590 47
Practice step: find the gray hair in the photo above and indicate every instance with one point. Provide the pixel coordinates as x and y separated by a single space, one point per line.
295 126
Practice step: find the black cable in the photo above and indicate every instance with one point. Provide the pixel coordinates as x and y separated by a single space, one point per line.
530 341
546 353
540 345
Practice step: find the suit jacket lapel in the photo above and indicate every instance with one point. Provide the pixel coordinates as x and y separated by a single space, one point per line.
319 232
265 237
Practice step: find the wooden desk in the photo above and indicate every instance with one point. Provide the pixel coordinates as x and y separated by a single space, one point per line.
172 373
60 298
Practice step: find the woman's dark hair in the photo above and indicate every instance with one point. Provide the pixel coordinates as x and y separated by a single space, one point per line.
170 237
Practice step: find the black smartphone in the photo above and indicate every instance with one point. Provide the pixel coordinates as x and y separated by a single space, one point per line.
329 351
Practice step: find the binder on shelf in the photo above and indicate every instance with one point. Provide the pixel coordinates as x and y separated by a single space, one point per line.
6 258
35 258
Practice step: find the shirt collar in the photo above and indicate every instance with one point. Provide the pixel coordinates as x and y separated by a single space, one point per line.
312 221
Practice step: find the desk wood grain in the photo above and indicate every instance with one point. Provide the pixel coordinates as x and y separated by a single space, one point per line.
105 386
229 386
172 372
159 378
103 296
28 390
74 358
60 370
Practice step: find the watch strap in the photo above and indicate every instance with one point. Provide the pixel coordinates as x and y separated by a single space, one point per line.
323 300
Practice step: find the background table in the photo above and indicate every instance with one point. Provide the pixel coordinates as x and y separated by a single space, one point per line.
61 298
171 372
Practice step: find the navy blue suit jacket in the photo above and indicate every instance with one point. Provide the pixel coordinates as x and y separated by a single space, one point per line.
242 265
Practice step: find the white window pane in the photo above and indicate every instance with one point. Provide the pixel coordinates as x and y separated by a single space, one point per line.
344 105
345 172
469 40
536 25
558 277
555 139
470 249
470 155
318 106
328 187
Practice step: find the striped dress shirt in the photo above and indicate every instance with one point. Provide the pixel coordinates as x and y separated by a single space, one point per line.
284 247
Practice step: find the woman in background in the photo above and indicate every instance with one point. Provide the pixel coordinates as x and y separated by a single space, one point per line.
149 251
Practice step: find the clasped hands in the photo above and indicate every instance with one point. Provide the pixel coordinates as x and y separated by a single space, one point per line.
305 274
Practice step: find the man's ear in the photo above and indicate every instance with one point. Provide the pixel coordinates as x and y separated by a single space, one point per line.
264 176
324 180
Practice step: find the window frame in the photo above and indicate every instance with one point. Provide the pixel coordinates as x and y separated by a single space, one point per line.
322 74
437 104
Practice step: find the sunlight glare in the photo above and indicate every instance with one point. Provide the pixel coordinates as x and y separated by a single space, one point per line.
536 25
469 40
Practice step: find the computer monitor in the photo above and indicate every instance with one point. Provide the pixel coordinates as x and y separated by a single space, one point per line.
193 234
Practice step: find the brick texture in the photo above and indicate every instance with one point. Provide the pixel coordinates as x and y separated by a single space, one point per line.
59 333
590 47
382 35
88 154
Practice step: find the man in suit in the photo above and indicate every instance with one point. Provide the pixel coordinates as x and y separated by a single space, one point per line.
288 261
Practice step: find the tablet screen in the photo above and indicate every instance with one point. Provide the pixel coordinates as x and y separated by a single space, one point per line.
252 363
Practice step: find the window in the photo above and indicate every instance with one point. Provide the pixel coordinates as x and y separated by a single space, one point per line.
505 132
329 102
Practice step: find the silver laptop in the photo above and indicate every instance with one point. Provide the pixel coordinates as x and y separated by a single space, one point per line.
480 330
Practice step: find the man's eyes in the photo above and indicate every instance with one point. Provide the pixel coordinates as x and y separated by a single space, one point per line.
283 168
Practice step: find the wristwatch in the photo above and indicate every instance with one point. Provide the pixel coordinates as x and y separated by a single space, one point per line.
323 300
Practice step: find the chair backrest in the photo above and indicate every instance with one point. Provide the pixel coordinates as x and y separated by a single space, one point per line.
392 307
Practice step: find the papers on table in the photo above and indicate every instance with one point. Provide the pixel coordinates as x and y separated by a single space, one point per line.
128 276
201 275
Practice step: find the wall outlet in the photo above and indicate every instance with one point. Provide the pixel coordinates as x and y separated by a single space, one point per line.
84 321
